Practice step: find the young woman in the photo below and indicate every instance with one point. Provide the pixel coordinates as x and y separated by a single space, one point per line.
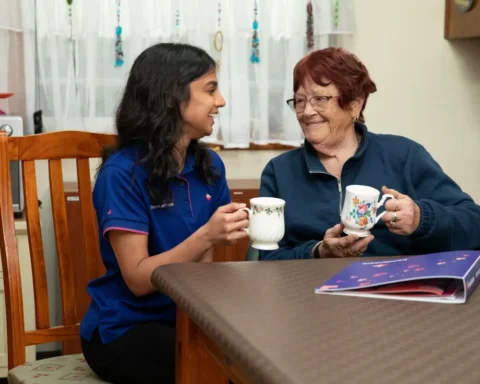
161 197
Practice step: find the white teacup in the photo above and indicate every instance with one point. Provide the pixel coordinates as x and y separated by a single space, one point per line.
359 213
266 222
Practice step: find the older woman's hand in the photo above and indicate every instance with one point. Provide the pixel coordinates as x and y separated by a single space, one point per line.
349 246
403 214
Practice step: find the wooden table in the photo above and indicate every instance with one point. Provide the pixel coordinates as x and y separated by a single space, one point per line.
260 322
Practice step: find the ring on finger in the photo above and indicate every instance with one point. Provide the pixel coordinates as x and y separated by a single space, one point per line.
354 253
394 218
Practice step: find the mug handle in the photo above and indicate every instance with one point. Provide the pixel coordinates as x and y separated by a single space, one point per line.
380 203
249 212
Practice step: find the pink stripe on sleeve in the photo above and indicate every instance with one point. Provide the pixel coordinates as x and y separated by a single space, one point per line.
123 229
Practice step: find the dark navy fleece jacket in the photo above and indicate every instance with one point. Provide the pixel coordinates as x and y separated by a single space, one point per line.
450 220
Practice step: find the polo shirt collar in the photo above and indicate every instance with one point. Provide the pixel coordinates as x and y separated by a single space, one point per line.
189 162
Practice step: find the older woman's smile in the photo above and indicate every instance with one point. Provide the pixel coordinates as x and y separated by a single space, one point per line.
313 124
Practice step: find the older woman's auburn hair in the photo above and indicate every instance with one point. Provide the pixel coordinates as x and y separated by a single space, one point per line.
337 66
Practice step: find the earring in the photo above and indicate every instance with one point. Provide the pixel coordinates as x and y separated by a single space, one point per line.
354 118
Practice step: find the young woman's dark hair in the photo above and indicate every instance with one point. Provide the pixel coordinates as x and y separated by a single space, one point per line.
149 115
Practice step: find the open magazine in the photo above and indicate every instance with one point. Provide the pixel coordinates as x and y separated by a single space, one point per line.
446 277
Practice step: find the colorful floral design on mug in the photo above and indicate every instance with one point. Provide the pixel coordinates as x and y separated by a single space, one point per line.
362 212
268 210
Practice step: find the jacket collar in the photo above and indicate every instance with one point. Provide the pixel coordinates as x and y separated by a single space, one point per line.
314 165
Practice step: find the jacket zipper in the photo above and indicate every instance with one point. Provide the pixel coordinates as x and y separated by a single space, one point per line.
339 183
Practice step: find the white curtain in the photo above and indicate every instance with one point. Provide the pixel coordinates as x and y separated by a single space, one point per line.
11 58
79 87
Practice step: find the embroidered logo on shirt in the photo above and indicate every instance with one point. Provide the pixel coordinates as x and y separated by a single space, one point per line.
109 212
166 205
208 197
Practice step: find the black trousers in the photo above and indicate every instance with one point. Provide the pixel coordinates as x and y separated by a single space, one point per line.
143 355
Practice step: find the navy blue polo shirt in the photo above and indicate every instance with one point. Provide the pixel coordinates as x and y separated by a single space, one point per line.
122 202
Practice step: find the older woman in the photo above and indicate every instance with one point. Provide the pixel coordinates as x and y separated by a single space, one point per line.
429 213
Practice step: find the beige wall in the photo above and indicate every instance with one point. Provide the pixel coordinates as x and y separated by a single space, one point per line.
428 90
428 87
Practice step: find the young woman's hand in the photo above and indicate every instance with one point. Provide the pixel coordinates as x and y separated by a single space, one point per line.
225 226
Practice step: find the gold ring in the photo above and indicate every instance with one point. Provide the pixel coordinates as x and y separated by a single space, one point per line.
394 218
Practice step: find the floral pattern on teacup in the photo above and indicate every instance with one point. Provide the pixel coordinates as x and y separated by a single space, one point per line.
362 212
268 210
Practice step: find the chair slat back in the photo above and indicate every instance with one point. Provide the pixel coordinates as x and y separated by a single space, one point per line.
52 147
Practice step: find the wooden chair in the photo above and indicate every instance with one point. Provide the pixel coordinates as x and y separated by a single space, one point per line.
52 147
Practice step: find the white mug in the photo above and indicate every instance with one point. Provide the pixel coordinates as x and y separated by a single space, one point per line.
266 222
359 213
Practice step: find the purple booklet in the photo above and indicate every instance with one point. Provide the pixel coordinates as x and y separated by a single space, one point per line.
446 277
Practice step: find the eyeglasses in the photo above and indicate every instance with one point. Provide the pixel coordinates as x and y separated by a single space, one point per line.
318 103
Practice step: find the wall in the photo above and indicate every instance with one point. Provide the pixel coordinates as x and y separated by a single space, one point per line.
428 90
428 87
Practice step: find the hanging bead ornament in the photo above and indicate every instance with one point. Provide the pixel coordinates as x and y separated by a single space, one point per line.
310 38
336 13
218 37
255 57
118 40
72 45
177 23
69 2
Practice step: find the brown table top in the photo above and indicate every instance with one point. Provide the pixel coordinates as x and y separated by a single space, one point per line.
266 316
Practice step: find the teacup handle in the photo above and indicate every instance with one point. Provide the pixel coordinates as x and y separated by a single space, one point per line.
380 203
249 211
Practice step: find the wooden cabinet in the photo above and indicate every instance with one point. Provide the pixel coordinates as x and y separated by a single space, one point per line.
462 19
242 190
